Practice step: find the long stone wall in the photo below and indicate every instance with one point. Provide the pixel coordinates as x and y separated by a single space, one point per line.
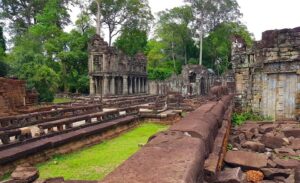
178 154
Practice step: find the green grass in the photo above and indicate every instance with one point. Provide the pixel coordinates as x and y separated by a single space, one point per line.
61 100
240 118
95 162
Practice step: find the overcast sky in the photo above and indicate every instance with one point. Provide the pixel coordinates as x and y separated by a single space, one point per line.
259 15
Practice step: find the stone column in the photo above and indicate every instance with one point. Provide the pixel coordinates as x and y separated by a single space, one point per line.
92 86
130 86
105 86
134 85
146 86
112 86
138 85
125 85
142 85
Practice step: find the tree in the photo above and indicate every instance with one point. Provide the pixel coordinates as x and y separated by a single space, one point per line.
22 14
217 45
3 66
119 14
210 13
173 29
132 42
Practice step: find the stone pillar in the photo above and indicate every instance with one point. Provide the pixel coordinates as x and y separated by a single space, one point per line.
134 85
92 86
146 86
130 86
142 85
138 85
125 85
105 86
112 86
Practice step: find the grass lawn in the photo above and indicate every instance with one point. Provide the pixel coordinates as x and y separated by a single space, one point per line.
61 100
95 162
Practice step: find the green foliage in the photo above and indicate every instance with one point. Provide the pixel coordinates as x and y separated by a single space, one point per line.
4 69
2 42
159 73
193 61
120 15
239 119
174 32
217 46
22 14
94 163
229 147
132 41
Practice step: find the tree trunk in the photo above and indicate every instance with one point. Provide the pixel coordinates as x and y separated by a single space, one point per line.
201 43
98 23
173 55
185 55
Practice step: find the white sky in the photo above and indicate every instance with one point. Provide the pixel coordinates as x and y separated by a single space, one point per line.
259 15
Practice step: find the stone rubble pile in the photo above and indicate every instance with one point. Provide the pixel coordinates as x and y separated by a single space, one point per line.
263 152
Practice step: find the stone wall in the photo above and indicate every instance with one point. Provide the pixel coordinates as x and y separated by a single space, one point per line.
12 94
194 80
267 74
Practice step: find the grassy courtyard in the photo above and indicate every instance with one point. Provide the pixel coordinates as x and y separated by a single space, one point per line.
95 162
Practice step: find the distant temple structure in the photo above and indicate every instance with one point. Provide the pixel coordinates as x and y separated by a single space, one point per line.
113 73
194 80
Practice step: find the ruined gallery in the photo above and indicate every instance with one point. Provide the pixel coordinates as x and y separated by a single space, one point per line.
114 73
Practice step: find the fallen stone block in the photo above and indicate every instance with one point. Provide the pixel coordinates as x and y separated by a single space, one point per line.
285 151
25 174
254 146
295 144
289 163
246 160
270 173
272 141
292 132
234 175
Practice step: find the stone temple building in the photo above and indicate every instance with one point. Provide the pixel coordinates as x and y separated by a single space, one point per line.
194 80
268 74
114 73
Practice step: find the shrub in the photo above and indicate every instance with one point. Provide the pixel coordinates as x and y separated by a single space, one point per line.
240 118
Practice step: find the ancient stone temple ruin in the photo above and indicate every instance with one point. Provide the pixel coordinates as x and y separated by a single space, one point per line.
114 73
268 74
194 80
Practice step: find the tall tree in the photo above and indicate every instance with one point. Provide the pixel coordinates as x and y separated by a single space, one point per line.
210 13
173 28
21 14
132 41
118 14
217 45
